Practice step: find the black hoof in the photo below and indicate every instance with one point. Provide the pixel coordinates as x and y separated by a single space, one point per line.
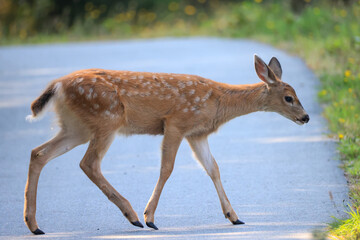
138 224
38 232
151 225
237 222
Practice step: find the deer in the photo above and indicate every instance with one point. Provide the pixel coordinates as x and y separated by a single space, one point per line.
93 106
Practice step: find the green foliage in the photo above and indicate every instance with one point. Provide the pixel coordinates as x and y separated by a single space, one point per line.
25 20
348 229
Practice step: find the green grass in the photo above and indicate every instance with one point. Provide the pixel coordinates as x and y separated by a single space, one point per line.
326 34
348 229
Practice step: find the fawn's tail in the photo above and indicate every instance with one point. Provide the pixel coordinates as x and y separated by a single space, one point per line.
38 105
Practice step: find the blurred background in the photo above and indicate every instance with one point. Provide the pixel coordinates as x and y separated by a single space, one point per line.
326 34
23 21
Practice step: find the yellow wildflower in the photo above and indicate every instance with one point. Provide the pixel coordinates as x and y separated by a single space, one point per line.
347 73
323 92
258 1
350 90
341 120
341 136
190 10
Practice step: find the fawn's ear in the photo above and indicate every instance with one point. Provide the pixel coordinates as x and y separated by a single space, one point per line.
274 64
264 72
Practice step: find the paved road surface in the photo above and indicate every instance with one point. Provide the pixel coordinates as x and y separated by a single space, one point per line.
277 174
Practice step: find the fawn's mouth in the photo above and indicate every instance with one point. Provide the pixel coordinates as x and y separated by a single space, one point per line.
299 122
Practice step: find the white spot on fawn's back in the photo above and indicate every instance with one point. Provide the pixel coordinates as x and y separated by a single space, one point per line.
113 104
207 95
181 85
81 90
88 96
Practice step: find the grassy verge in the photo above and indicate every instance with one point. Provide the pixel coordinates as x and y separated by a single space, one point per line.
325 34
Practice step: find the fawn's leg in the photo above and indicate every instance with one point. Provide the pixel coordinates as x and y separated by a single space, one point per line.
63 142
170 145
90 164
200 147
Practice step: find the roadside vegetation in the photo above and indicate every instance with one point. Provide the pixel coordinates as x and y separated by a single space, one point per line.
325 33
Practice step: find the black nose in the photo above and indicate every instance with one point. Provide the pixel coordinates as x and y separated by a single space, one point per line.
306 118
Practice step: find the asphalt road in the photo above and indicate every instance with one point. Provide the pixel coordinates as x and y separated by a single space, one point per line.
277 175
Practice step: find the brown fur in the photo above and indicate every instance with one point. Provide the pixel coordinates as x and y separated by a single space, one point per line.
94 105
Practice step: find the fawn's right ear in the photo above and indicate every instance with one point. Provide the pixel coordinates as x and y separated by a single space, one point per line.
264 72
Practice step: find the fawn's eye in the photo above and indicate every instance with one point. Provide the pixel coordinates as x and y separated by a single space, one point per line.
288 99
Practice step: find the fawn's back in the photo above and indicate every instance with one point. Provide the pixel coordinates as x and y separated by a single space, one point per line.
139 102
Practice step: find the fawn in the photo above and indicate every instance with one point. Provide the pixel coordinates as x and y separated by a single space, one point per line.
94 105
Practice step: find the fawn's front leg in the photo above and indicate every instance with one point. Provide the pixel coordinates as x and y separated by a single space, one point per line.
200 147
91 166
170 145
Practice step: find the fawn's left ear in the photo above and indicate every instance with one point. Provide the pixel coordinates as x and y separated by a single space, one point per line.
264 72
274 64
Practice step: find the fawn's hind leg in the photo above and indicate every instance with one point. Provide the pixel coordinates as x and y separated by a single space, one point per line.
91 166
63 142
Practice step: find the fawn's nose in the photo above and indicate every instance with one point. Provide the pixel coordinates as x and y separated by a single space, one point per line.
306 118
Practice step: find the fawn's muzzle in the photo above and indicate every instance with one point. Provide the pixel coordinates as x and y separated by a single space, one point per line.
306 118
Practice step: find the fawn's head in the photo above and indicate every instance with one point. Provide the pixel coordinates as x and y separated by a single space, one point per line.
281 97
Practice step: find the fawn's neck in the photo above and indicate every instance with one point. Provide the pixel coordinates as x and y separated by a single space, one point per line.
237 100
